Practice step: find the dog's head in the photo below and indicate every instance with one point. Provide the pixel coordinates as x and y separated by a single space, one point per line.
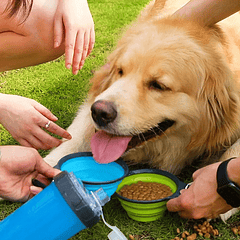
165 78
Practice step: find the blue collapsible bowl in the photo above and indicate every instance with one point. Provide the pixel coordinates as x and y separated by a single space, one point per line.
94 175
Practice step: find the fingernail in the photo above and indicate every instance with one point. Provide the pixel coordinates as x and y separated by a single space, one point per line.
75 72
56 44
68 66
67 136
55 117
35 190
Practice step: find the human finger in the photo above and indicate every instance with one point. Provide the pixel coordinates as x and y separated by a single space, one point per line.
30 141
44 111
78 52
70 40
58 31
36 139
174 205
24 143
55 129
40 139
185 214
43 180
85 49
34 191
92 41
197 173
39 143
45 169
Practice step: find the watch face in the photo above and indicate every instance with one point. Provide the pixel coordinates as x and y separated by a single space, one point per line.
231 193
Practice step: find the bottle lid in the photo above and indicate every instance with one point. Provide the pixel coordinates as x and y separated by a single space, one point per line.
83 204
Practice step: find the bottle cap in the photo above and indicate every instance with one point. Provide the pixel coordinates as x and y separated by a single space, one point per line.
83 204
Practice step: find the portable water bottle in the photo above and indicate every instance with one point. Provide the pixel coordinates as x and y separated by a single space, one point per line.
61 210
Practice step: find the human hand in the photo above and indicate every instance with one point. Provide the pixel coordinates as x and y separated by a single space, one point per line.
18 166
201 199
25 119
74 20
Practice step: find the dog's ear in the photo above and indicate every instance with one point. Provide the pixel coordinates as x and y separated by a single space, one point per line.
153 9
219 106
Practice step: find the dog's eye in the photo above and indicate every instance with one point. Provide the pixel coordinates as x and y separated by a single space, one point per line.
120 72
155 85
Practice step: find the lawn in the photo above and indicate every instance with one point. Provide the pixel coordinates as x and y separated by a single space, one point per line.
56 88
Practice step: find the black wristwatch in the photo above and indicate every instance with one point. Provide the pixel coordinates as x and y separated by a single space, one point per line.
227 189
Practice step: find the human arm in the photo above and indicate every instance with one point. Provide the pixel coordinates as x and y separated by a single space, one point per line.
74 20
25 119
201 199
18 166
208 12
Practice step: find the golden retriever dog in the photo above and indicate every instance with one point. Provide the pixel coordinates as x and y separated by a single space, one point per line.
169 94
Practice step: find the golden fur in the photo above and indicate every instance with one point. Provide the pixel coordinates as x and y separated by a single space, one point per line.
167 68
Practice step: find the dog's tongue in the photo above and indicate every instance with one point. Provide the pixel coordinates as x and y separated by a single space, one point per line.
107 148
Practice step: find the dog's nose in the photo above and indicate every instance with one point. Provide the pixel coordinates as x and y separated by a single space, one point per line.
103 112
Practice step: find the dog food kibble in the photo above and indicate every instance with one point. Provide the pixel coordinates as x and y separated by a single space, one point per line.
203 231
145 191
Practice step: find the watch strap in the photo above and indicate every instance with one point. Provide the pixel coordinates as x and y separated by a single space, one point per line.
227 189
222 176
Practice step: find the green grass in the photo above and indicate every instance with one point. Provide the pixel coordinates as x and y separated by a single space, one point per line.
55 87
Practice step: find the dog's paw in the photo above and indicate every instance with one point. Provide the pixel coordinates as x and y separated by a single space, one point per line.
51 161
224 217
